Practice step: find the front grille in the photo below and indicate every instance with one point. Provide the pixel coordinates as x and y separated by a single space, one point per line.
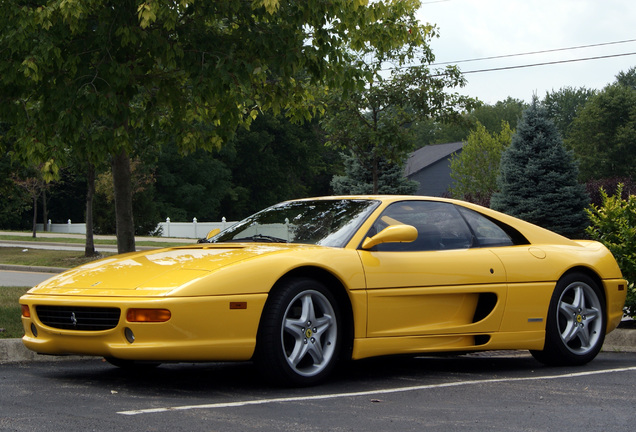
78 318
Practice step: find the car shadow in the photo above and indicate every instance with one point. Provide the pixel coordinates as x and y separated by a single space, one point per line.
208 379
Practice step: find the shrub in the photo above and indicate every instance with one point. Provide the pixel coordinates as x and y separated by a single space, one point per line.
613 223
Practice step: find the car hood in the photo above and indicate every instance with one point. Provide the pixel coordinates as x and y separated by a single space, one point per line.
154 272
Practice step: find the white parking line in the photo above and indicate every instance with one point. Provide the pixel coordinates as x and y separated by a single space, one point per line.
369 392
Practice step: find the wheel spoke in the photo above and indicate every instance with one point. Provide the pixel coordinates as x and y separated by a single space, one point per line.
299 352
584 335
570 332
567 310
294 327
315 351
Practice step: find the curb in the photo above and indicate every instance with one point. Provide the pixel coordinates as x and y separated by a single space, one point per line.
620 340
35 269
13 351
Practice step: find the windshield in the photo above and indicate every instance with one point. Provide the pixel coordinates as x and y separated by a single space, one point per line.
321 222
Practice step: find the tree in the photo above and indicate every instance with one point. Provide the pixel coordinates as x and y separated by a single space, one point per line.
604 132
563 106
474 171
538 177
374 124
276 160
143 201
33 186
492 117
357 180
434 131
127 71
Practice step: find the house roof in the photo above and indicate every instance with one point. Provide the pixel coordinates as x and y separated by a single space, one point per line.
428 155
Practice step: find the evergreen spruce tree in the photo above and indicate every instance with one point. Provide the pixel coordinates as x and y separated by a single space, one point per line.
538 177
359 181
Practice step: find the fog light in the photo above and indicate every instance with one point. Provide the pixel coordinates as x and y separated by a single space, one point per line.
130 336
34 330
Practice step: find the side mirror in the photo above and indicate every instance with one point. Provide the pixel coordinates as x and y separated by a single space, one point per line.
391 234
212 233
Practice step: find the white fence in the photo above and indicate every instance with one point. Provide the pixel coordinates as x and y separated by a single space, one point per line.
194 229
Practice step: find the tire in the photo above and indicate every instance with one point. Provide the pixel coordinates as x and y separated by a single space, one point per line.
300 334
575 328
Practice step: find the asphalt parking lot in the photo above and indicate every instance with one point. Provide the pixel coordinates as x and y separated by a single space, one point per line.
498 391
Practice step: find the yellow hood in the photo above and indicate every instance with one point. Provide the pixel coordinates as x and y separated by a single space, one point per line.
153 273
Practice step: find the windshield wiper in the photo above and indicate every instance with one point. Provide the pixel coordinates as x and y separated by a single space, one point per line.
261 238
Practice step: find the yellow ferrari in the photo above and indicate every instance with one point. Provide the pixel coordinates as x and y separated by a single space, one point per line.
304 284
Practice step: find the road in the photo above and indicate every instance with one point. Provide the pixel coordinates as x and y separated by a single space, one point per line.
22 278
506 391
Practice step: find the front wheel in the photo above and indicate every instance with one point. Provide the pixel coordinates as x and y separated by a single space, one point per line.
575 328
300 334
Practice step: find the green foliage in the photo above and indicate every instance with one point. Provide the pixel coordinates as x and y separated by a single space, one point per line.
614 224
359 181
476 168
189 186
276 160
495 117
374 124
95 79
564 105
88 74
15 200
604 132
442 131
610 186
538 177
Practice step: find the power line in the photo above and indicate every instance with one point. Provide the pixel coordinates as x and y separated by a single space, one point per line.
542 64
534 52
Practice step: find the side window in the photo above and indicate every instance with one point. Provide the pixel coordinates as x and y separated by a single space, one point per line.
439 226
487 233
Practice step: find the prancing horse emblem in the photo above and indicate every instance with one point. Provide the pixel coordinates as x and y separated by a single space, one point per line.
73 319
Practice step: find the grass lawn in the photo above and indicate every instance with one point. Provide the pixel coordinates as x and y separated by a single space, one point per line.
10 323
42 257
81 240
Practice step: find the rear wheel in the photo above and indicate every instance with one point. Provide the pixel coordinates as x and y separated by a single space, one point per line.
575 328
300 335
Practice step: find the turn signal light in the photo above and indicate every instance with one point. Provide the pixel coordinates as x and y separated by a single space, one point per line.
26 312
148 315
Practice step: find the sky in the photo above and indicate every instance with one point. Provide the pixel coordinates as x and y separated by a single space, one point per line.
475 29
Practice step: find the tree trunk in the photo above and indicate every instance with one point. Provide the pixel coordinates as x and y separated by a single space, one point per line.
123 202
89 249
35 214
376 175
45 212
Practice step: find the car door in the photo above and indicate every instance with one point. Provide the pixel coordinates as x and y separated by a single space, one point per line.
437 284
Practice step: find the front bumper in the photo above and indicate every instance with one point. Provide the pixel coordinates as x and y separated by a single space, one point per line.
199 329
